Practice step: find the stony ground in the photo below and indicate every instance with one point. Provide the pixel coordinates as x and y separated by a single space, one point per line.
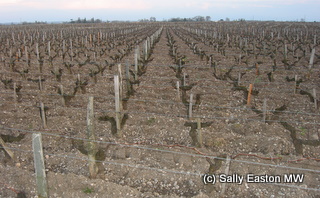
156 156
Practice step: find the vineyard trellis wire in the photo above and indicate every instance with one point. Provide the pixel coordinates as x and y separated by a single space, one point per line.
173 152
197 154
165 102
162 78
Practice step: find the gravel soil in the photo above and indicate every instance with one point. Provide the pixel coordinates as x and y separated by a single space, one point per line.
157 154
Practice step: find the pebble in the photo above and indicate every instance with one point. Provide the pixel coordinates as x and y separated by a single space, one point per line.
304 186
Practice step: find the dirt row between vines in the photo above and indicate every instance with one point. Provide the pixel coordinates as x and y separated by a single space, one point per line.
156 116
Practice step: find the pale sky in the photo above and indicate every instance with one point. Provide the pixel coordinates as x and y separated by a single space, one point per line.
64 10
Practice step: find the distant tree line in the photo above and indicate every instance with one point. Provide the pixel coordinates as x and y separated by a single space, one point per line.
152 19
196 18
36 22
178 19
84 20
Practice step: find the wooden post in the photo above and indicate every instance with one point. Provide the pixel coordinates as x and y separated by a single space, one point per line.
138 51
40 84
14 42
43 115
199 134
120 82
71 52
117 105
239 79
38 58
127 70
178 90
249 94
49 50
42 189
190 106
312 58
136 64
99 35
223 185
146 50
148 44
198 123
27 56
19 55
315 98
91 145
264 115
184 79
285 52
295 83
37 51
152 40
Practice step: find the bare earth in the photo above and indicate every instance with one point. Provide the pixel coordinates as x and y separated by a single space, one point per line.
157 155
